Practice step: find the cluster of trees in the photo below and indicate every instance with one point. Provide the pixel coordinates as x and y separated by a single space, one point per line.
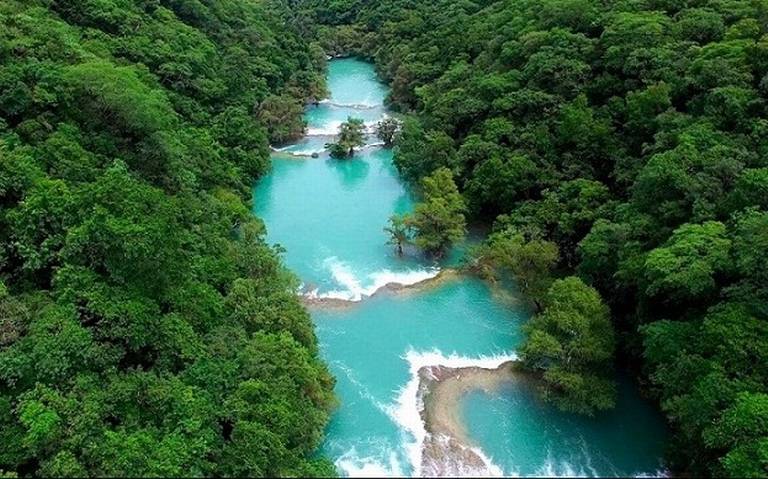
437 221
623 143
351 135
570 340
146 328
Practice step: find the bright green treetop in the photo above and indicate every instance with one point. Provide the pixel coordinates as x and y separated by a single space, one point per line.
571 342
351 135
438 221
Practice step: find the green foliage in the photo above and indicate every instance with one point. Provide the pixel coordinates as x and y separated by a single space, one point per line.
743 429
351 135
499 182
419 153
281 115
146 328
438 221
749 243
530 262
386 130
571 341
621 141
685 268
399 232
705 370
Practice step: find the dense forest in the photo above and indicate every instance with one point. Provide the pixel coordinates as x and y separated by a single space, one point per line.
146 328
620 149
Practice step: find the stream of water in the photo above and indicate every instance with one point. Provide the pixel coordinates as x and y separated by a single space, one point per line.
328 214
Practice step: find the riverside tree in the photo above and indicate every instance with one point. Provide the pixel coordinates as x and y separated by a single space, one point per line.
351 135
530 262
282 116
571 343
399 231
438 220
386 130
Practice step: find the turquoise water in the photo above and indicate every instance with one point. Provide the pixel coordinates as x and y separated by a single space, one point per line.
329 216
526 437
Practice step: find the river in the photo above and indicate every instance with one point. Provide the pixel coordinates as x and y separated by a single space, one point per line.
328 215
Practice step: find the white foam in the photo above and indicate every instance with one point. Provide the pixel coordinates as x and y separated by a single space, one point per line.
353 106
305 152
662 472
282 148
406 411
563 468
353 288
332 128
552 468
309 153
353 465
362 390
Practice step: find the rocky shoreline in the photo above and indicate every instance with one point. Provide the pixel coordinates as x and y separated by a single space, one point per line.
448 274
447 448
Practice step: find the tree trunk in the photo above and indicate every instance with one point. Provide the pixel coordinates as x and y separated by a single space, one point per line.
537 305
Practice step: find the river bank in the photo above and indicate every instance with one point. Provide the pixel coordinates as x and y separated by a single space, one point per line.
448 449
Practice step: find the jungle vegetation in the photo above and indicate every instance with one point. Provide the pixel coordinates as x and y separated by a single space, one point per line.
620 149
146 328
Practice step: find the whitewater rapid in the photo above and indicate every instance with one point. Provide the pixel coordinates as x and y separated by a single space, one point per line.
409 404
354 288
405 410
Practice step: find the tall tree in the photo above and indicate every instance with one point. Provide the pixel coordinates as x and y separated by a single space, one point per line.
351 135
571 342
438 221
399 232
386 130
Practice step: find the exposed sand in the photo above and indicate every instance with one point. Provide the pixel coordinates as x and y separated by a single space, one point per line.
448 450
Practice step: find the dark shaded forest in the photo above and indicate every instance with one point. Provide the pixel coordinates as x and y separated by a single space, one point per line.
620 149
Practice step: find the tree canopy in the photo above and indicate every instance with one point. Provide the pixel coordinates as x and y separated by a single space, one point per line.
146 328
351 135
571 341
438 221
624 142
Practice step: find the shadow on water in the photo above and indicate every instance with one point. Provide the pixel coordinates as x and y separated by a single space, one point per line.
351 171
